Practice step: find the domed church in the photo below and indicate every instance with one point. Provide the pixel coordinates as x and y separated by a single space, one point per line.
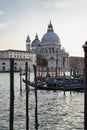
50 48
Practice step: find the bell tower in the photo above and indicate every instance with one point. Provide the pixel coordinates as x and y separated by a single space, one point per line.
28 41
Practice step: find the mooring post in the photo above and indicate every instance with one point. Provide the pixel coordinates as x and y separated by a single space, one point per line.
85 93
64 90
11 122
20 83
64 81
29 78
70 80
27 113
56 71
36 114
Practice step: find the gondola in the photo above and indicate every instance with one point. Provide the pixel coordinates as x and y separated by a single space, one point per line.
43 86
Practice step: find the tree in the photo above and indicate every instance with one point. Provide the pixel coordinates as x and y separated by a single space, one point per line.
41 61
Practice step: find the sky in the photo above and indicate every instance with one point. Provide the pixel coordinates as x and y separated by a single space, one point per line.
19 18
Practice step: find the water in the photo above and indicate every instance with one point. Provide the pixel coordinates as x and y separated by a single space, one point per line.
55 111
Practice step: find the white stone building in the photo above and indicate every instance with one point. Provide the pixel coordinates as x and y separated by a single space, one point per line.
20 57
50 48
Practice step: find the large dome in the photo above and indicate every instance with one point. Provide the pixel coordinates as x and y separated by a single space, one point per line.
50 36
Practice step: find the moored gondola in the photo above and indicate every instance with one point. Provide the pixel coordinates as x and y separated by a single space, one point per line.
64 87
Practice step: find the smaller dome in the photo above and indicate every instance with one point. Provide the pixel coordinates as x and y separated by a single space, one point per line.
36 41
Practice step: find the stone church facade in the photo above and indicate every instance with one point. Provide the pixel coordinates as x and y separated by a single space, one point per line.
50 48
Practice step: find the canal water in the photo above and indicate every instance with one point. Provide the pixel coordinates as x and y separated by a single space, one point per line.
56 111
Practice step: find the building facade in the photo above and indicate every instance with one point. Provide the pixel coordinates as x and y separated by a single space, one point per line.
20 57
50 48
76 64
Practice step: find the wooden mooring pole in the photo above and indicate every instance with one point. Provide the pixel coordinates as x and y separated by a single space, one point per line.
11 122
20 83
28 78
85 93
27 113
36 114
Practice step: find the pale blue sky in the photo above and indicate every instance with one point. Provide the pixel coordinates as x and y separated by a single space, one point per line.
18 18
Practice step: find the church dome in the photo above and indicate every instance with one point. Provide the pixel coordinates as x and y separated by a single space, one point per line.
36 41
50 36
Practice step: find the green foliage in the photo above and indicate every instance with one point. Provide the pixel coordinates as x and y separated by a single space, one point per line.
41 61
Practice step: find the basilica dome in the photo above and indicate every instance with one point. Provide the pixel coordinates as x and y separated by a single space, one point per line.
50 36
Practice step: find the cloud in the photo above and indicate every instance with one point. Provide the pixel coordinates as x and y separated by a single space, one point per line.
3 25
54 5
46 5
61 4
1 12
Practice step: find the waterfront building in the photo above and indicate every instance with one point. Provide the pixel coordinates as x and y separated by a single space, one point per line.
50 48
20 57
76 64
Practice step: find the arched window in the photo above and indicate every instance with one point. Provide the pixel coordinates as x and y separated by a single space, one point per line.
49 50
15 68
53 49
46 50
3 63
63 61
3 68
15 63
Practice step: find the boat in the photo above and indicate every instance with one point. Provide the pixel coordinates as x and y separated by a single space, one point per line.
61 82
44 86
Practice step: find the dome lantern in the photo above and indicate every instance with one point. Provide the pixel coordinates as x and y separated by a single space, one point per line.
36 37
50 27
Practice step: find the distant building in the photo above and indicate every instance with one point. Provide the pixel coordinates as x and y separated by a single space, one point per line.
50 48
20 57
76 64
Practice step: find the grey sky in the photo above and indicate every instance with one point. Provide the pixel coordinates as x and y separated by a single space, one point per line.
18 18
